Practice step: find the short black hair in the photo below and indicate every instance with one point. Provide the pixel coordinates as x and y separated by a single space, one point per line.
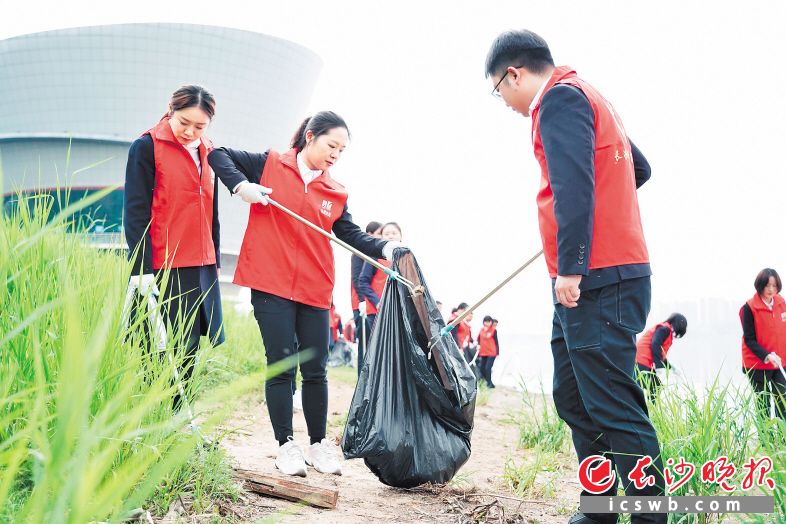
488 318
678 323
763 278
463 305
372 226
521 48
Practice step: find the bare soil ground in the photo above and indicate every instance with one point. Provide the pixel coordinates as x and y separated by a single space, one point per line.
477 494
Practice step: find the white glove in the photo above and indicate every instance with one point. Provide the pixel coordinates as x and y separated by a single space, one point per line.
391 246
253 193
362 308
773 358
661 374
144 283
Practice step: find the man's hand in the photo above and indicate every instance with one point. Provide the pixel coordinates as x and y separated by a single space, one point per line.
566 288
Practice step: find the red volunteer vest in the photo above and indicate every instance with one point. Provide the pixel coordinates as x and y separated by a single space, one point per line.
181 216
617 236
378 285
464 332
353 295
644 345
486 341
281 256
770 331
335 320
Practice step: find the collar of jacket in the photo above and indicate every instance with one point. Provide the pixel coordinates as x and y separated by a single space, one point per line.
560 73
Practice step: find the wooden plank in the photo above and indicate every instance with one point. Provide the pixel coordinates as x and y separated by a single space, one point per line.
271 486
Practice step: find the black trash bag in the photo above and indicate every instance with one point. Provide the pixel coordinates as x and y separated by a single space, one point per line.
340 354
411 416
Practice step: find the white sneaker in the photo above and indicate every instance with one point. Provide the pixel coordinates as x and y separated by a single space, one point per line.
322 456
297 401
290 460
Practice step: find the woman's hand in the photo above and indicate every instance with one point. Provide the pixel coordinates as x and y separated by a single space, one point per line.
772 358
253 193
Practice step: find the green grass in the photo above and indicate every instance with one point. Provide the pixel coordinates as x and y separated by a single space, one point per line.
539 425
86 428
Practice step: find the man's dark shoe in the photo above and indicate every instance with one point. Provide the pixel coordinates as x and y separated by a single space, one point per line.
581 518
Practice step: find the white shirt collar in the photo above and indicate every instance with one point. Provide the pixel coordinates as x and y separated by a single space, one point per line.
306 173
193 150
538 96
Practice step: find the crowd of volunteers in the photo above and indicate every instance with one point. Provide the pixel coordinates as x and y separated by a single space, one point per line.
593 243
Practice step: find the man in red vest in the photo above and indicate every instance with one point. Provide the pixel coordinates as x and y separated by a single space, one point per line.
596 255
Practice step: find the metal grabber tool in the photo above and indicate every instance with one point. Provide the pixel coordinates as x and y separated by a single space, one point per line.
450 327
414 289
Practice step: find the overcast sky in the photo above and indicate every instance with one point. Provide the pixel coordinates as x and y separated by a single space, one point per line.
699 86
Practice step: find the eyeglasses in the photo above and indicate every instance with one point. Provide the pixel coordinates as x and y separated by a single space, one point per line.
495 92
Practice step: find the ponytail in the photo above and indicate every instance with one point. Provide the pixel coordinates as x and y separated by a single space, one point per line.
319 124
299 138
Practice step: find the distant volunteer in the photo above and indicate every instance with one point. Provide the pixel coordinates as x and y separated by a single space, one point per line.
488 349
374 229
371 282
289 269
170 218
651 350
763 319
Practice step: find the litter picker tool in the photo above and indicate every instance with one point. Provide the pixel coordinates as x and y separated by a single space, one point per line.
450 327
782 371
415 290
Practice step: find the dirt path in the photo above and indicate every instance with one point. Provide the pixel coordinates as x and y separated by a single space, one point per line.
362 498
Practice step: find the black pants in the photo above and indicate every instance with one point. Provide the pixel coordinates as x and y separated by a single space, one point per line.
280 321
768 384
486 363
595 392
363 337
649 382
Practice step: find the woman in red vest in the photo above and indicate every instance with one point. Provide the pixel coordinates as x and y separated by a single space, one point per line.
289 269
763 319
371 282
170 218
488 348
651 350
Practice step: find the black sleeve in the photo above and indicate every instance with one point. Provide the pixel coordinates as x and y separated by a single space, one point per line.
640 165
346 230
749 334
364 289
233 166
496 342
216 229
567 130
658 338
454 334
137 203
356 264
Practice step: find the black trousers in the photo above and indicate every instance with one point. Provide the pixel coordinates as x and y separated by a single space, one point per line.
363 337
486 363
649 382
595 392
280 322
768 384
